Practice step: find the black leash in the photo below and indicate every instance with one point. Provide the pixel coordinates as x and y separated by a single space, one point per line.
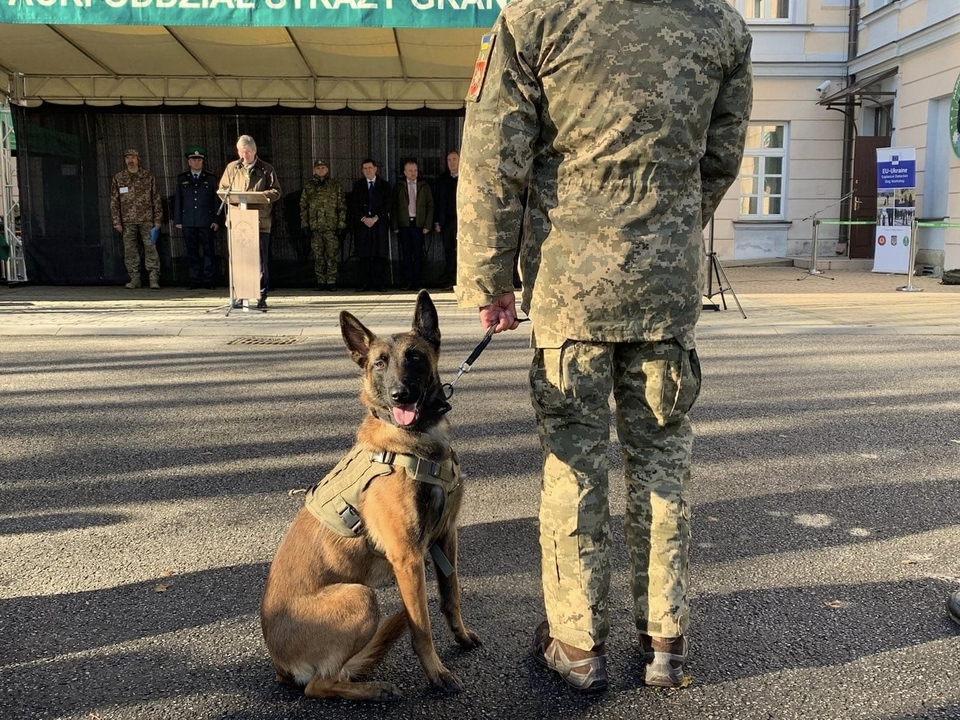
468 363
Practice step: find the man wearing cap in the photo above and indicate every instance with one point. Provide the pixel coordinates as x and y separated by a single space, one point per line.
135 210
195 204
323 213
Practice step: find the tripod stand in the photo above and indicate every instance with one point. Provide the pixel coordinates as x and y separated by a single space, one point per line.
815 243
715 270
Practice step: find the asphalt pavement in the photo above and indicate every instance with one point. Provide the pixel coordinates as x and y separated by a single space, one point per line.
151 445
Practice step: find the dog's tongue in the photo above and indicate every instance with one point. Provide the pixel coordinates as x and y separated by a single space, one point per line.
405 414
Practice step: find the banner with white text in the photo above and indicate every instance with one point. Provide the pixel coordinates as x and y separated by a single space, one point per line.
256 13
896 208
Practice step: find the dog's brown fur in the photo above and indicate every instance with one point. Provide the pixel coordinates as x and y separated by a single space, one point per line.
319 615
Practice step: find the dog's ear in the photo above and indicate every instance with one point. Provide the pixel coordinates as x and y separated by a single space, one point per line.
357 338
425 321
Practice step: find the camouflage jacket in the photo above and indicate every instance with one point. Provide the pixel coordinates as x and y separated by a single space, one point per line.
322 206
259 176
134 198
626 121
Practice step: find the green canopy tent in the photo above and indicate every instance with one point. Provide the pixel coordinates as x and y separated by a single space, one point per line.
307 78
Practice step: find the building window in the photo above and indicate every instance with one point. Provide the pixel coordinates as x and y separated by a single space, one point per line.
764 9
877 4
763 173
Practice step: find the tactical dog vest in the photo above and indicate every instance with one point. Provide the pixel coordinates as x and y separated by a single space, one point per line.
335 500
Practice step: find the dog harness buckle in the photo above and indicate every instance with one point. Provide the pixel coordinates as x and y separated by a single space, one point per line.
383 456
351 519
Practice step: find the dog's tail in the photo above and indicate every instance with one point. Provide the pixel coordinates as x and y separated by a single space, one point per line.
386 635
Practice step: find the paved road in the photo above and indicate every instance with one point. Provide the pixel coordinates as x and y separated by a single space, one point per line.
145 488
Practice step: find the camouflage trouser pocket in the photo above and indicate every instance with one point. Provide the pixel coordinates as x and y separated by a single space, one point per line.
672 382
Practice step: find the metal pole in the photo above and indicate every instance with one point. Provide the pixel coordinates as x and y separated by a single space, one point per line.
909 287
814 247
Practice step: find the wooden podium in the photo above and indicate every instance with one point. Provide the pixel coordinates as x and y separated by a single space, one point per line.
243 242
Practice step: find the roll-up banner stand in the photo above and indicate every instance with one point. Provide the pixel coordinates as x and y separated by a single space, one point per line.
896 208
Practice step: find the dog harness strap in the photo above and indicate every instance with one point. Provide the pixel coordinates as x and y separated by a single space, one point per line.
444 473
335 499
443 564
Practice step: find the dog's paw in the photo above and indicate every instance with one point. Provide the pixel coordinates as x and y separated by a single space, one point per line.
468 640
447 682
388 692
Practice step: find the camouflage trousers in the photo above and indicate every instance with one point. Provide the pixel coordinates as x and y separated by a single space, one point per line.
654 386
326 246
135 236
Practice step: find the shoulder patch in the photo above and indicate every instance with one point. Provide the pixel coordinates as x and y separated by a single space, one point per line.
480 69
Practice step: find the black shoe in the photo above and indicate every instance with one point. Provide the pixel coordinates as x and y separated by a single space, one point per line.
318 287
209 285
331 287
363 288
953 606
262 304
194 285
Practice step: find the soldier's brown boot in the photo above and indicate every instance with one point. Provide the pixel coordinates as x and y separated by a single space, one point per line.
583 670
665 659
154 282
133 284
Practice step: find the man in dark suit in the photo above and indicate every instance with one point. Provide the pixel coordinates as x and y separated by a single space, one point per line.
370 210
412 220
445 221
195 205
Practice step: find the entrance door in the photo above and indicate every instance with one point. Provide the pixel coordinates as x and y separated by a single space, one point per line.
863 237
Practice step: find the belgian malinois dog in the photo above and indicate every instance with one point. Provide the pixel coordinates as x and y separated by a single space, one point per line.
319 614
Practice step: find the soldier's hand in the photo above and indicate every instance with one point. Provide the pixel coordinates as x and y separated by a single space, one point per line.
214 227
502 315
118 228
157 225
178 226
436 227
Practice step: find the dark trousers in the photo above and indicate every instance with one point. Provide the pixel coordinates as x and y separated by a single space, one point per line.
370 245
264 264
199 239
448 236
410 240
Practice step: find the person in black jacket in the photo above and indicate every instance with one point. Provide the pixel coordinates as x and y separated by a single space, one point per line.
370 210
445 221
195 213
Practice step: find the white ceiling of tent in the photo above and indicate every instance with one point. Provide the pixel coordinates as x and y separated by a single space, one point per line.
326 68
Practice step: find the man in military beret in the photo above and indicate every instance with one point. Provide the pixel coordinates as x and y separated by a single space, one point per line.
323 214
135 210
195 204
624 154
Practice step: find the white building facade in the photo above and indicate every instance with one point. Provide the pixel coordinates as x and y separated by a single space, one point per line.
834 80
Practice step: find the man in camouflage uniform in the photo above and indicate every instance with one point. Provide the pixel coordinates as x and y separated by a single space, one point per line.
135 209
323 213
627 122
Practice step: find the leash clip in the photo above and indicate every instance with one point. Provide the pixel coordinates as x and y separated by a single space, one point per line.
468 363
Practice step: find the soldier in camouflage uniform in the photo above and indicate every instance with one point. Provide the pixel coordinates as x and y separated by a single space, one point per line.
627 123
135 209
323 213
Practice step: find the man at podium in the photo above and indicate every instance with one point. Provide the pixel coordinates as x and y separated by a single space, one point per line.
250 173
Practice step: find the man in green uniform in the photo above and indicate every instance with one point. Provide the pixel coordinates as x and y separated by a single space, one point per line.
626 121
135 210
323 213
